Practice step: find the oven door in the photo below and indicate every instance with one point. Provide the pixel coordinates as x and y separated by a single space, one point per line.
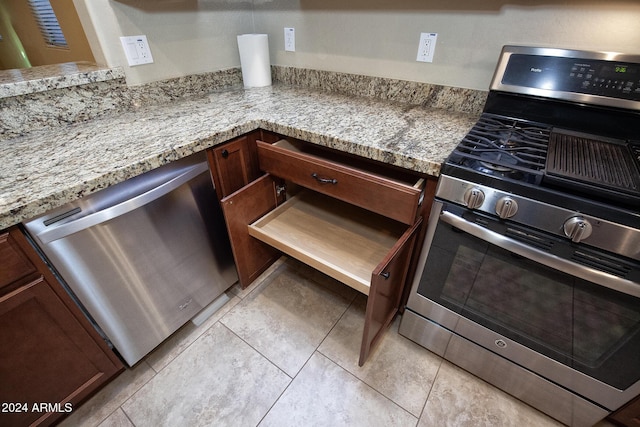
517 293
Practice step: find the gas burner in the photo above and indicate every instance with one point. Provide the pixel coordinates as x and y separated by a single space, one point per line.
494 170
497 168
502 144
498 161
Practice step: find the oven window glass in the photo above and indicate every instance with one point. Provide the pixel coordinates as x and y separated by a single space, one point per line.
585 326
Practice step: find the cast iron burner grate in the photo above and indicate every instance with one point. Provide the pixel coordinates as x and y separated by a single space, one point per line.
502 143
597 163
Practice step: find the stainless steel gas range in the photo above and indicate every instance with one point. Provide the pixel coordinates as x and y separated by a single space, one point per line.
530 273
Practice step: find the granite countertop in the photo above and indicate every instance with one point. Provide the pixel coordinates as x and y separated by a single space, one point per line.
47 77
49 167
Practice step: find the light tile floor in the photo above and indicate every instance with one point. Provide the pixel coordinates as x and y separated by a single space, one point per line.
284 352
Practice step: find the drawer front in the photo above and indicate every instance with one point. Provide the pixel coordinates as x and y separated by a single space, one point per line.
14 264
377 194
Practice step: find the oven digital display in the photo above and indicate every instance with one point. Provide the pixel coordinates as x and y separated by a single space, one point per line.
591 77
616 70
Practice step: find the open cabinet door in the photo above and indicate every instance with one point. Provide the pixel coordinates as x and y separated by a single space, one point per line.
241 208
387 284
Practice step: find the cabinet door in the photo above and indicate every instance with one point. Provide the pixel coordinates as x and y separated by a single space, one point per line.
46 356
234 164
14 264
385 294
241 209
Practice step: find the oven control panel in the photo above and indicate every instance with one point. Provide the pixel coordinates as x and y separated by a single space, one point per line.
593 77
573 225
603 78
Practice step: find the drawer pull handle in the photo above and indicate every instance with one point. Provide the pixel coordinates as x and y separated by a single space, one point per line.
225 153
386 275
324 180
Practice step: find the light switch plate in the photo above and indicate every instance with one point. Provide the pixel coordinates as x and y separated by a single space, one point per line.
136 48
290 39
426 47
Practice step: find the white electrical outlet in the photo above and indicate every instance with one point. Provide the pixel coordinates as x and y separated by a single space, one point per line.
426 47
137 50
290 39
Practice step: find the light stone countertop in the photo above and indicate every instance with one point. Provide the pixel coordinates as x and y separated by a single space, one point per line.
47 168
47 77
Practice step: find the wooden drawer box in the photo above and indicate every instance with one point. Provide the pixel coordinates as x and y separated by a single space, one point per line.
392 198
343 241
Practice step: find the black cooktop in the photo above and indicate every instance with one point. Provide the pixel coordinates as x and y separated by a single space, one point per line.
504 147
563 125
596 175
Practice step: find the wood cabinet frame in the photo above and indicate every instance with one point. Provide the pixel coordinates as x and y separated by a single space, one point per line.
261 223
49 352
628 415
234 164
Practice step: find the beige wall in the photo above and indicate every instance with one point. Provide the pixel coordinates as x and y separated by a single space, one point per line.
185 36
372 37
380 37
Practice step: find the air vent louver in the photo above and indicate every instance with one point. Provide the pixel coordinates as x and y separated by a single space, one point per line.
601 262
540 242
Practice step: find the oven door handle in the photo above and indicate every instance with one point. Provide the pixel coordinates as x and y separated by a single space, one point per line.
586 273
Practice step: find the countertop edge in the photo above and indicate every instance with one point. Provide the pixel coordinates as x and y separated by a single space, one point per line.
19 82
413 137
58 198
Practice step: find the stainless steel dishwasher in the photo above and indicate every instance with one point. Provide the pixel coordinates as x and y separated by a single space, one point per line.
144 256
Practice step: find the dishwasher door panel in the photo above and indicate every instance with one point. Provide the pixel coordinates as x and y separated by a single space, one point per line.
144 273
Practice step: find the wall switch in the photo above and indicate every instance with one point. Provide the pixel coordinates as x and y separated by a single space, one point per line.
137 50
290 39
426 47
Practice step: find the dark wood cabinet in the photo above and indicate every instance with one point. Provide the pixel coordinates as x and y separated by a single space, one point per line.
51 358
628 415
14 264
234 164
351 219
252 256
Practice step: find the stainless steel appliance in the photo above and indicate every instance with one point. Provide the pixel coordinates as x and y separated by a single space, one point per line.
144 256
530 272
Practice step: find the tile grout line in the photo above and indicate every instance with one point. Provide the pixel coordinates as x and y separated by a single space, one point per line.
259 285
268 360
435 378
365 383
156 372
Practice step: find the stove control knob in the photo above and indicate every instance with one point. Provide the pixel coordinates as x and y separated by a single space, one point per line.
577 228
506 207
474 197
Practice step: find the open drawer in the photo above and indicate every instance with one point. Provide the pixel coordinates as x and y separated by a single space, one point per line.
396 195
364 250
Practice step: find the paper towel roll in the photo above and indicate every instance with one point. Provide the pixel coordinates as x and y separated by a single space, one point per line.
254 60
